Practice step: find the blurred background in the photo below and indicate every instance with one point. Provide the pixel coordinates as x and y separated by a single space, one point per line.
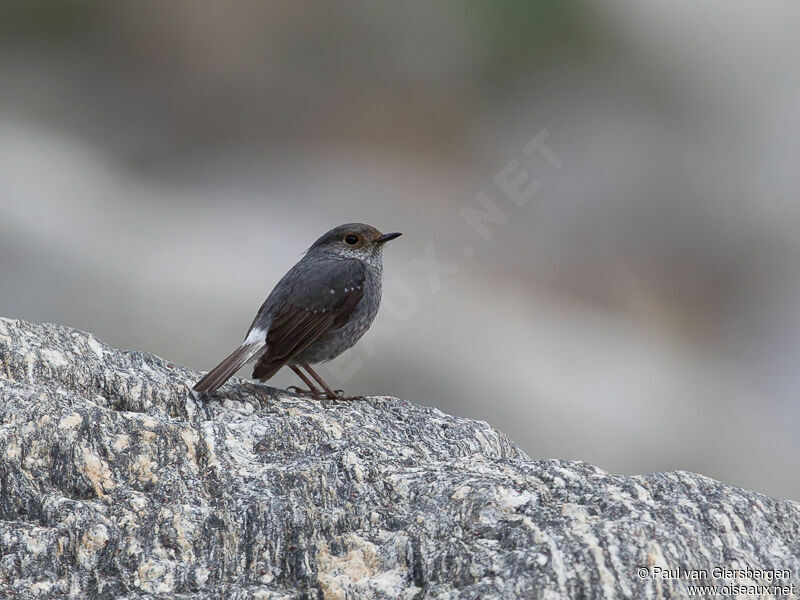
163 164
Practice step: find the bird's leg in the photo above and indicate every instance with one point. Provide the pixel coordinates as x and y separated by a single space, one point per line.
312 389
328 391
319 380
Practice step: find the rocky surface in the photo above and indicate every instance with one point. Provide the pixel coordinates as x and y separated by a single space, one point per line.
115 482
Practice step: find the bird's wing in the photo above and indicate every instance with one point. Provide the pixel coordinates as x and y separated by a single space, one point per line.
321 299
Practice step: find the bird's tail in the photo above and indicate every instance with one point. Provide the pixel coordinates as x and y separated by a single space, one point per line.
214 379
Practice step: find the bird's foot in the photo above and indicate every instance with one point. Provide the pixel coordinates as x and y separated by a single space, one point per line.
341 395
319 395
303 392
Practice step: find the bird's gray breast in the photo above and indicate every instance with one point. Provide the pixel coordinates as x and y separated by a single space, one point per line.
336 341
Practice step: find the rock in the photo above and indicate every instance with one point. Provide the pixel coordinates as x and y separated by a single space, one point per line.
116 482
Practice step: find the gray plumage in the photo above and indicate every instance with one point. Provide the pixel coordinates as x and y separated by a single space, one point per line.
319 309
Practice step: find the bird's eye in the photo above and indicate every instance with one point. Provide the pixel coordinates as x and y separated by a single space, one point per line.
351 239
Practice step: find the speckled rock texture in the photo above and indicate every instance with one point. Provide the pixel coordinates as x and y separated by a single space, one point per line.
115 482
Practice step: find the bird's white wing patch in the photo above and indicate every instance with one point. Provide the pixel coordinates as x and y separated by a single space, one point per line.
257 335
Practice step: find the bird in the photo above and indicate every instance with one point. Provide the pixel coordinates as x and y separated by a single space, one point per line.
320 308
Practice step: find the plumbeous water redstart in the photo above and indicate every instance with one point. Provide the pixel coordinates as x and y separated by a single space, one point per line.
319 309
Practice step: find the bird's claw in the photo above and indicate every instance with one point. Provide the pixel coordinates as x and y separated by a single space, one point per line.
341 395
302 392
318 395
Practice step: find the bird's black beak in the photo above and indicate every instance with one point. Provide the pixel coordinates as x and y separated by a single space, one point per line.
387 236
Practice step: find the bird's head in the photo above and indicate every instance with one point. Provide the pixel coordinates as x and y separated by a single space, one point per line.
353 240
